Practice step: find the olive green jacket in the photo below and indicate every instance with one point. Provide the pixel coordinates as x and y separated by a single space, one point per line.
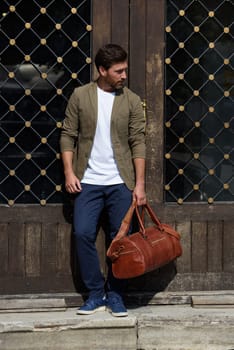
127 130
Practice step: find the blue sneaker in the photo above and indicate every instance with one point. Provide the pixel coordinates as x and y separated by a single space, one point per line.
116 306
92 305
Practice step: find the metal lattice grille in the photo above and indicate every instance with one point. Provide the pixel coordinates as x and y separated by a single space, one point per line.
45 54
199 101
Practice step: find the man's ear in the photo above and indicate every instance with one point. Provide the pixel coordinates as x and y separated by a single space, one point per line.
102 71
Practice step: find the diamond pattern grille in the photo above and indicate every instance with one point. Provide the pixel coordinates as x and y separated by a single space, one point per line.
199 140
45 53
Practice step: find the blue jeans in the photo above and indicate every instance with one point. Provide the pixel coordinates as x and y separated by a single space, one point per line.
89 205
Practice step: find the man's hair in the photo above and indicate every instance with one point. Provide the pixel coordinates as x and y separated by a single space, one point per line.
110 54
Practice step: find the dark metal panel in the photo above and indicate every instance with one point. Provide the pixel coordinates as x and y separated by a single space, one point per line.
215 246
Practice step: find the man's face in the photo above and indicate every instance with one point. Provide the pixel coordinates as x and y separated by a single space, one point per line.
114 77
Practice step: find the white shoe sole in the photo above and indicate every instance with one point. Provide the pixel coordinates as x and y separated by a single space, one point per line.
84 312
118 314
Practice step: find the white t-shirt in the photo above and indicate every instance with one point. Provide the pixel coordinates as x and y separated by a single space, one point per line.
102 168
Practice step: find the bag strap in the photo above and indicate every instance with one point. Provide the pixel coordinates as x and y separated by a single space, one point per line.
126 222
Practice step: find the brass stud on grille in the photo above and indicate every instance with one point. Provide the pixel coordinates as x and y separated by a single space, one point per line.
43 140
180 201
59 91
168 124
211 172
197 124
11 75
168 29
43 41
12 172
43 10
181 108
181 45
43 75
27 58
181 139
43 108
59 125
58 155
74 44
11 139
27 124
226 186
181 12
11 202
226 156
196 29
226 125
196 187
43 202
89 28
211 140
27 188
196 60
12 108
43 172
27 25
210 200
58 188
12 42
211 45
211 14
168 92
180 171
226 30
59 59
74 75
88 60
73 10
27 92
58 26
167 60
211 76
211 109
12 8
167 187
196 92
226 93
196 155
167 156
181 76
226 61
28 156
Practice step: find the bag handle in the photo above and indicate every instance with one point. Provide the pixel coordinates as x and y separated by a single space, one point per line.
124 228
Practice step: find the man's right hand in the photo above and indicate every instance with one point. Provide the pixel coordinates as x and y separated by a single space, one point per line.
72 183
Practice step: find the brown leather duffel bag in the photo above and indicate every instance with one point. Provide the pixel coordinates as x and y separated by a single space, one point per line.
141 252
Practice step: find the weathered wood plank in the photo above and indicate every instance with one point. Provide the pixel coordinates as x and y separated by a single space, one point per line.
32 249
184 262
154 99
16 249
228 246
48 249
137 47
101 26
64 249
215 246
3 249
199 246
120 23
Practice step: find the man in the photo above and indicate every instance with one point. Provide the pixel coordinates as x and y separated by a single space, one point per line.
103 153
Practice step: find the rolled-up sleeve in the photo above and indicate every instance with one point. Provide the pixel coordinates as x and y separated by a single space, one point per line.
69 133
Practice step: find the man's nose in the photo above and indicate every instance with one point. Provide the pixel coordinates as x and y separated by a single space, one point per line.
124 75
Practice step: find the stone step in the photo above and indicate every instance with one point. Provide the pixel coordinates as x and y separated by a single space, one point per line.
166 325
